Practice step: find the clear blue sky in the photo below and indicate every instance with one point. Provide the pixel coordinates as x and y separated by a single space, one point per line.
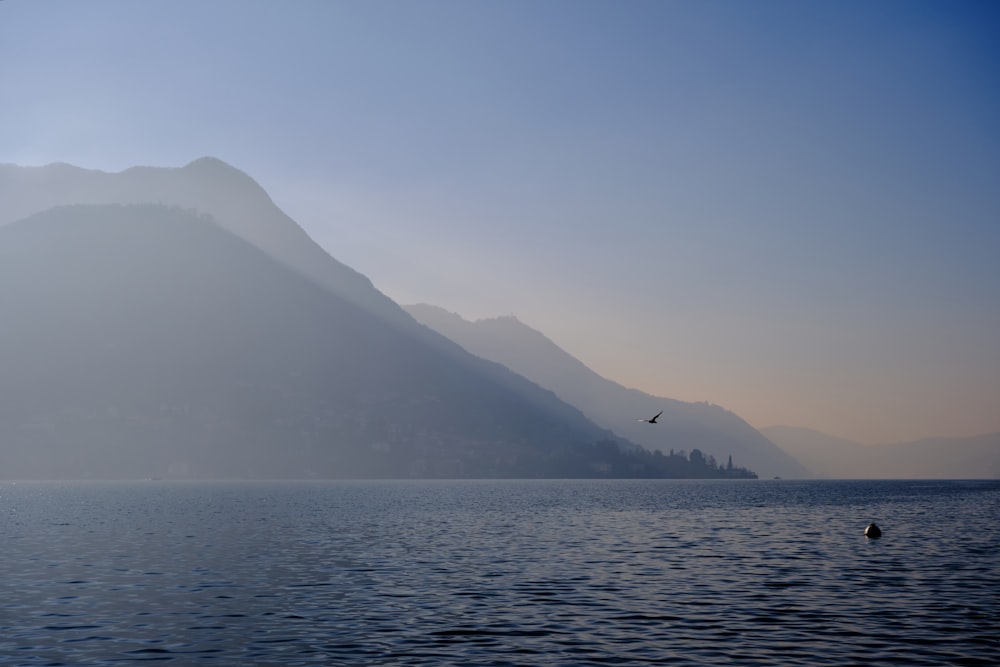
791 209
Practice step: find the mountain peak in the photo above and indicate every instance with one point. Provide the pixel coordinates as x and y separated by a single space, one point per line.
208 161
209 166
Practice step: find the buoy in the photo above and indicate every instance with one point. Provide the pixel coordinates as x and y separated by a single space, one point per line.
873 532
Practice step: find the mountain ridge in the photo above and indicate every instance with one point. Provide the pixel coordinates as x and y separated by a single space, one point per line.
236 201
526 351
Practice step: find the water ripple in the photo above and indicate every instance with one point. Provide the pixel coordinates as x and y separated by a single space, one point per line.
500 573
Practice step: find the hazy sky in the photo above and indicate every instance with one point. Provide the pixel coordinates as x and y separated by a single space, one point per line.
791 209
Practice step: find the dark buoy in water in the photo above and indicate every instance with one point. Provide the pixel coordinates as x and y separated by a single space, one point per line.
873 532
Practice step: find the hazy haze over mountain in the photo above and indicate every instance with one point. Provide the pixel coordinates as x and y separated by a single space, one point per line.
785 208
144 340
976 457
710 428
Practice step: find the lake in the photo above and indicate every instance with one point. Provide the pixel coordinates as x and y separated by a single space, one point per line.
569 572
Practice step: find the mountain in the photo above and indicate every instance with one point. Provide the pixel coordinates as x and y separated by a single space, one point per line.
175 322
975 457
144 340
708 428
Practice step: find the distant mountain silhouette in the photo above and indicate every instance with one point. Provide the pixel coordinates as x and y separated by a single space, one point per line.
976 457
174 322
683 426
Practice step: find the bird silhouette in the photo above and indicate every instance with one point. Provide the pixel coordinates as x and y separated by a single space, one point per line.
653 420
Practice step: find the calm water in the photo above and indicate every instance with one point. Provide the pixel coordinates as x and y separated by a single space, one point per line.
500 573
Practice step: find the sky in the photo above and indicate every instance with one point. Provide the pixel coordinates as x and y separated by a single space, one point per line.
790 209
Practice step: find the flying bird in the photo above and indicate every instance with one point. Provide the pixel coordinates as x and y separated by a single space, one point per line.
653 420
